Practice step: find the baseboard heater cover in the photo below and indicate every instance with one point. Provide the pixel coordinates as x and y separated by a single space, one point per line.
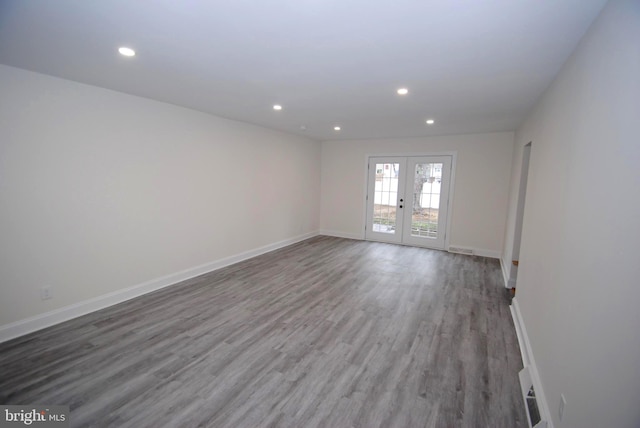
530 400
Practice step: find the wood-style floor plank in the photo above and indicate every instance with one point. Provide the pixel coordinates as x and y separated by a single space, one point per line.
325 333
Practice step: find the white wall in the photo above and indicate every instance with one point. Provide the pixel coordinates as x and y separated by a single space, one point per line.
480 195
100 190
578 283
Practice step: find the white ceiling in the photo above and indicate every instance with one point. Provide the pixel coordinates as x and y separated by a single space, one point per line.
473 65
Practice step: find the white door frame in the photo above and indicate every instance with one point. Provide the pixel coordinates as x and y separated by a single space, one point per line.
517 235
454 156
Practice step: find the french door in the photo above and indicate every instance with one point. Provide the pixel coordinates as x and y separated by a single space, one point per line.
408 200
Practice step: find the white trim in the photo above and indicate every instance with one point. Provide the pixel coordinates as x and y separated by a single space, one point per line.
474 251
511 283
452 186
518 323
529 361
365 200
485 253
339 234
38 322
505 274
508 282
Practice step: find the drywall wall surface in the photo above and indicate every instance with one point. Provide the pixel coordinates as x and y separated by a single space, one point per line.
578 282
480 190
101 190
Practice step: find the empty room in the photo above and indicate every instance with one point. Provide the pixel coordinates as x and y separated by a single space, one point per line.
320 213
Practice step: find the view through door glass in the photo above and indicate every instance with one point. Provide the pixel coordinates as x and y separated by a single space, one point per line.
407 199
427 184
385 197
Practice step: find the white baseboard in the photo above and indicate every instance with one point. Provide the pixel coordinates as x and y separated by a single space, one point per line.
453 248
38 322
486 253
476 251
338 234
529 361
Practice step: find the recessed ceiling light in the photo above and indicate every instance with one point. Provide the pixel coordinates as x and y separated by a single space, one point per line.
126 51
430 121
403 91
336 128
277 107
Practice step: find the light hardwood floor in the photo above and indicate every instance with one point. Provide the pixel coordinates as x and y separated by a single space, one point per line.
328 332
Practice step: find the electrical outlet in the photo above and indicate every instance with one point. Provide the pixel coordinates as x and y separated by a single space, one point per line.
45 292
563 403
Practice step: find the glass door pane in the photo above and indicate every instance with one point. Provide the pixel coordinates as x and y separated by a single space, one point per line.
427 190
427 183
386 181
385 197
